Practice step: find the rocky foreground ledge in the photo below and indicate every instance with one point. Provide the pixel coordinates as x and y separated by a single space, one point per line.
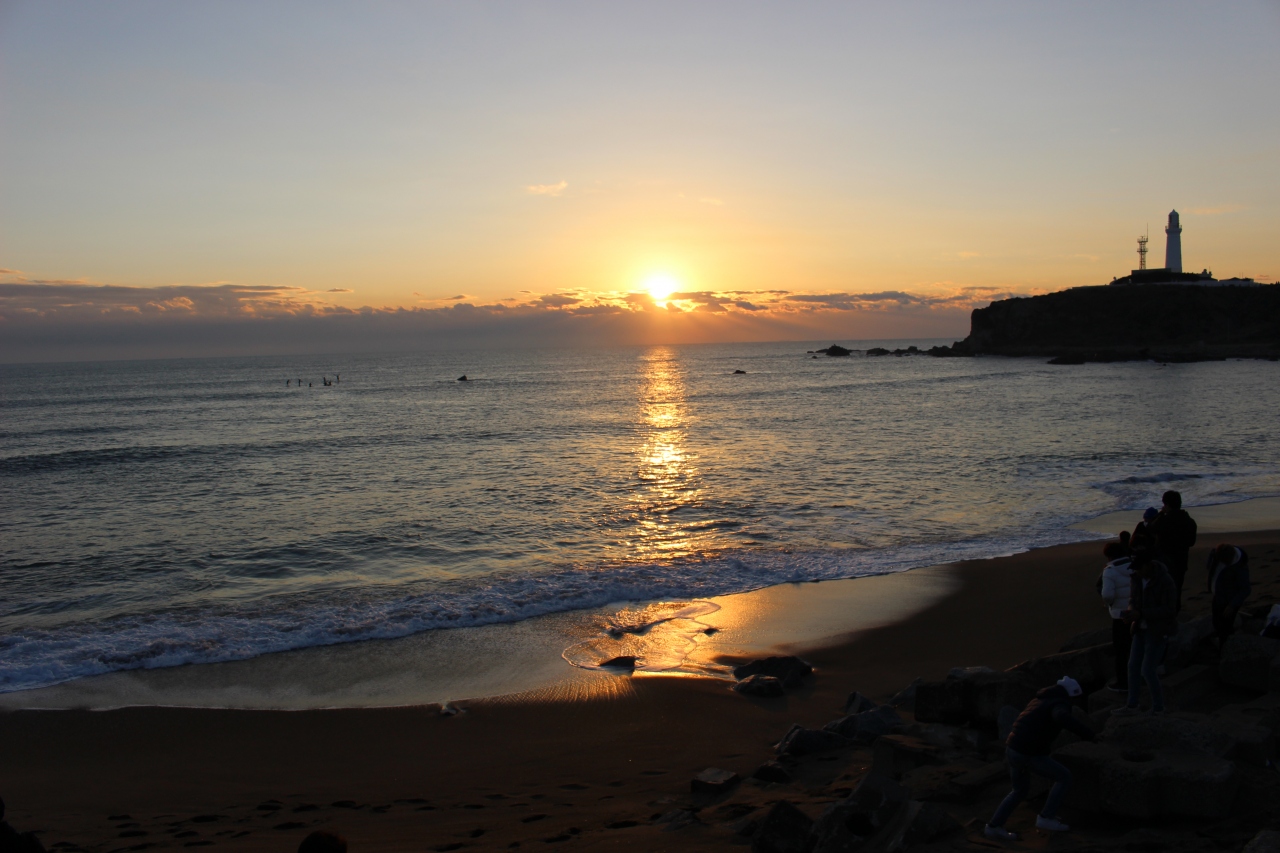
924 771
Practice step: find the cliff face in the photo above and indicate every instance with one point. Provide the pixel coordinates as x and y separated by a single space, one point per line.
1174 322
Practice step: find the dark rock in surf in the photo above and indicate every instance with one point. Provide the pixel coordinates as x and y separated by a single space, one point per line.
877 351
627 662
740 372
463 378
760 685
837 351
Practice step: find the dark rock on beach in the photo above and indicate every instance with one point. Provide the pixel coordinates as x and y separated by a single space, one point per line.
760 685
771 771
790 670
785 829
713 780
801 741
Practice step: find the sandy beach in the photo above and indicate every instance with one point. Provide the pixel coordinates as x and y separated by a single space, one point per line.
589 773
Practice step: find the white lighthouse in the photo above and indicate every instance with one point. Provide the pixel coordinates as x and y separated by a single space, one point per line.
1173 244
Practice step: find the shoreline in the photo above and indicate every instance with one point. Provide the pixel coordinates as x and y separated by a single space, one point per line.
510 661
603 764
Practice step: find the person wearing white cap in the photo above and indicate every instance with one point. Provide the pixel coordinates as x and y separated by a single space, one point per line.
1027 752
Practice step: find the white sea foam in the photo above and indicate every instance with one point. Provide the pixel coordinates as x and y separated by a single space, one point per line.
36 658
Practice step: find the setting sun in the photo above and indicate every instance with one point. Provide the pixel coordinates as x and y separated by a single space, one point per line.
661 286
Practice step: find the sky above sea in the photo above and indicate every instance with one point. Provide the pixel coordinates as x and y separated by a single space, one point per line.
246 177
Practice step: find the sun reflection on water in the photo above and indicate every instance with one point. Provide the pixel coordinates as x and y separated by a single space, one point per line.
667 469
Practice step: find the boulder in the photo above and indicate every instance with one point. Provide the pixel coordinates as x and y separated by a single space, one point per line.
790 670
836 350
877 351
868 725
929 823
1246 661
1163 783
801 741
713 780
739 372
760 685
627 662
677 819
896 754
1005 720
940 702
1182 732
877 810
1185 645
771 772
857 703
973 695
1091 667
1266 841
970 786
1086 640
906 697
785 829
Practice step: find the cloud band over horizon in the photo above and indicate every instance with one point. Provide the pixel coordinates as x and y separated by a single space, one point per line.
72 321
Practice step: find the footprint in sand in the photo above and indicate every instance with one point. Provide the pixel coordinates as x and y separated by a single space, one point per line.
531 818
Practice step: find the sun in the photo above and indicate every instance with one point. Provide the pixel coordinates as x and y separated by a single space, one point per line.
661 286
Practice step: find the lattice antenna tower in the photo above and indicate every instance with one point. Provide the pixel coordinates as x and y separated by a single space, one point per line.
1142 250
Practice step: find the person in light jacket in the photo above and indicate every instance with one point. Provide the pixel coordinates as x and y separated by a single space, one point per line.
1115 594
1229 582
1152 616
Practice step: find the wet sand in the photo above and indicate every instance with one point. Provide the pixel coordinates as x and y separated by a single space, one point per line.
590 773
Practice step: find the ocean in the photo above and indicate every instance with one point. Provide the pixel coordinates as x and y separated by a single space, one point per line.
160 513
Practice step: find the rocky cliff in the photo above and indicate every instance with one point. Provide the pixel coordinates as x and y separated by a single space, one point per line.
1162 322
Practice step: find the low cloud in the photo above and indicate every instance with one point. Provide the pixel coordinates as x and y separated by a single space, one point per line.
340 290
59 321
547 189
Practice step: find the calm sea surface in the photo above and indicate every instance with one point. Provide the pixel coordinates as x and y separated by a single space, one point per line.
167 512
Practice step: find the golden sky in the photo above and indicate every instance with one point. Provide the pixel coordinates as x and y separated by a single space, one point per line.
827 169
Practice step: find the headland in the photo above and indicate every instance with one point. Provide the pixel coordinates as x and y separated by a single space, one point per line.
1158 322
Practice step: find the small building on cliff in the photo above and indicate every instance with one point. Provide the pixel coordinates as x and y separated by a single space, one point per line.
1171 273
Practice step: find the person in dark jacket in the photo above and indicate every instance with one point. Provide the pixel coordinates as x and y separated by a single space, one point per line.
1152 616
1175 532
1027 751
1229 583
